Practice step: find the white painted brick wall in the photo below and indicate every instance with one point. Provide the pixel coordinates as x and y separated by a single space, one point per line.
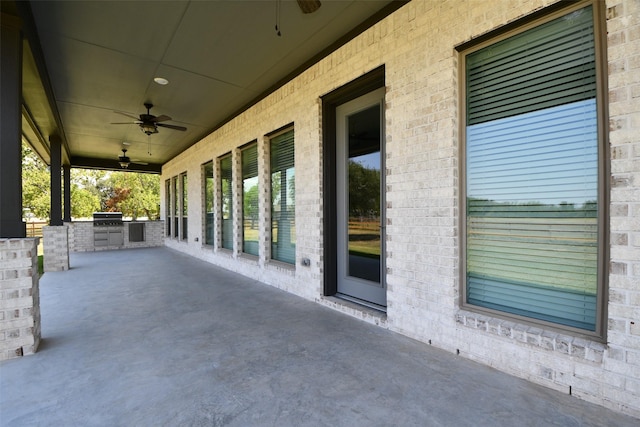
417 47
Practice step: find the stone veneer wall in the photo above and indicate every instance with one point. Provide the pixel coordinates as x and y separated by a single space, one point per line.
416 45
81 236
19 297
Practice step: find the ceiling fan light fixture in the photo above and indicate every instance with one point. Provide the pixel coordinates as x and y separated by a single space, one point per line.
124 160
148 128
309 6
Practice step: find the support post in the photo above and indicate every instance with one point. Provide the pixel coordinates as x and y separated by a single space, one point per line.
66 175
11 224
56 235
56 180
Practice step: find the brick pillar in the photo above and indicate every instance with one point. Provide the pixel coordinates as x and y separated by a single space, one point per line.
56 247
19 297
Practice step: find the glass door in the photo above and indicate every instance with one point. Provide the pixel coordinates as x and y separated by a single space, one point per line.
360 198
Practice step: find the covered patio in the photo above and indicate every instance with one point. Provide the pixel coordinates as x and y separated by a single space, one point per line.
152 337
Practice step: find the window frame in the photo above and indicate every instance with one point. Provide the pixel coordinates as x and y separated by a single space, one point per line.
243 150
532 21
167 200
205 195
269 140
184 206
221 201
175 207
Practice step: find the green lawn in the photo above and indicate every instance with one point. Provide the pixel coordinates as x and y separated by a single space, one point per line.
364 238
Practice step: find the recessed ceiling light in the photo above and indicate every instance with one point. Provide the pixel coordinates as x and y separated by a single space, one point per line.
161 81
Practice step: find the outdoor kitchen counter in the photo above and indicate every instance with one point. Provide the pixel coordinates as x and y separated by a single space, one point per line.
85 236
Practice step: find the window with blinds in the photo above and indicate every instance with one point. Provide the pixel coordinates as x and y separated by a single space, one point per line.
185 207
226 202
167 206
531 155
207 171
283 198
250 210
176 207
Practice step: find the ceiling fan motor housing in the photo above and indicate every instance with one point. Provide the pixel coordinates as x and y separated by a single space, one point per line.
149 123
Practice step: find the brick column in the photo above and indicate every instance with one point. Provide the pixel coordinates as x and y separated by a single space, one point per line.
56 247
19 297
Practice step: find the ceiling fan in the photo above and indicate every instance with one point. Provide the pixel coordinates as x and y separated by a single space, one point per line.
148 122
309 6
125 161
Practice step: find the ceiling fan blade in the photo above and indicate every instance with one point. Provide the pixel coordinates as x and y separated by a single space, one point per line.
174 127
161 118
127 115
127 123
309 6
137 162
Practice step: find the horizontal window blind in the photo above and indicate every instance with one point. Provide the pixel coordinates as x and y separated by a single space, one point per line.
185 206
548 156
226 183
532 174
208 202
540 68
250 232
167 203
283 197
176 206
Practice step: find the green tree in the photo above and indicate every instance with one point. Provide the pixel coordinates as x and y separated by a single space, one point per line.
36 184
133 194
364 190
84 202
250 201
92 181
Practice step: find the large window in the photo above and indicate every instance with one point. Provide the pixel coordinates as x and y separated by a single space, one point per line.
176 206
167 204
250 229
283 198
532 173
207 169
185 210
226 202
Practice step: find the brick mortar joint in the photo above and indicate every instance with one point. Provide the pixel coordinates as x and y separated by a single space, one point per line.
577 347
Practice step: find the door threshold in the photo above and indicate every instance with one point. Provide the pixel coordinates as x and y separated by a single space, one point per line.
364 303
353 307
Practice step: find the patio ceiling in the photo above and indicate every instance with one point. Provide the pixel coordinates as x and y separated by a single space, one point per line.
84 60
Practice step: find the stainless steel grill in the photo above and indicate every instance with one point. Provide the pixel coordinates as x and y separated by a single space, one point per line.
107 218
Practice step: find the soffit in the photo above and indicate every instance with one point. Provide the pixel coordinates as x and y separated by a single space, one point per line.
102 56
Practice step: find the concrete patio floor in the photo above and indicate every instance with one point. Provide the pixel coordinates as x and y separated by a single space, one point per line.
150 337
